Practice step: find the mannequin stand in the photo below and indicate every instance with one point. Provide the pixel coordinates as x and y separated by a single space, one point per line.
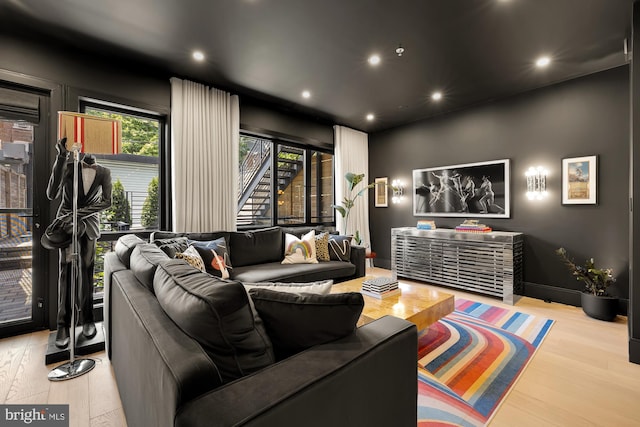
74 367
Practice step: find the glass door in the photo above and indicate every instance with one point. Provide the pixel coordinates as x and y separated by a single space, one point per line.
21 289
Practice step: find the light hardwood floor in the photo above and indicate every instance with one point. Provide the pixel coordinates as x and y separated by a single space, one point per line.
580 376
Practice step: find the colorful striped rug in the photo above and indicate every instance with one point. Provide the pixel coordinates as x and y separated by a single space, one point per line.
470 359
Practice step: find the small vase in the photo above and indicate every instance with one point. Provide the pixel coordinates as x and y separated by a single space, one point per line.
599 307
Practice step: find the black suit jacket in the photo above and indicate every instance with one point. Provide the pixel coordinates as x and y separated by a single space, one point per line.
90 203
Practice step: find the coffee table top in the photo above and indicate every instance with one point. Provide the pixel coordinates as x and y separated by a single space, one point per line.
418 304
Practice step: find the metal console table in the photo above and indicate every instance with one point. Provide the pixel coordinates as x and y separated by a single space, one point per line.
487 263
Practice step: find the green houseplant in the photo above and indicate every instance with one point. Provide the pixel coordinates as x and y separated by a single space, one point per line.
350 199
595 300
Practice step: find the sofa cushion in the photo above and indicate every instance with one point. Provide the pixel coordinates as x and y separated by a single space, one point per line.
300 251
192 257
322 287
172 245
124 247
215 255
256 247
296 322
322 247
144 261
217 314
213 235
340 247
276 272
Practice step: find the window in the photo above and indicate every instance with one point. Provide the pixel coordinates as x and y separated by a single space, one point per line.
299 192
135 176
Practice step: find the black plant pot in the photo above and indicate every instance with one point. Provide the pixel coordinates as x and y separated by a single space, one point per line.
598 307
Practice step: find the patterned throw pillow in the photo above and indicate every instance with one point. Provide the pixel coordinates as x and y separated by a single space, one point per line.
300 251
322 247
172 246
215 255
192 257
340 248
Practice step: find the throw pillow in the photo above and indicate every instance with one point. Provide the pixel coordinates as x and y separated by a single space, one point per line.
321 287
215 256
192 257
296 322
322 247
340 247
300 251
172 245
218 315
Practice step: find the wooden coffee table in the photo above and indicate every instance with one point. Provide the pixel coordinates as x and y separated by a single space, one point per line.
417 303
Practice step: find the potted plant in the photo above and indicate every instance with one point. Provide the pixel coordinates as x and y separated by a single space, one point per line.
595 301
350 199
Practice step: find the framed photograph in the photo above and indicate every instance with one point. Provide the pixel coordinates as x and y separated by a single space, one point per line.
381 192
467 190
579 176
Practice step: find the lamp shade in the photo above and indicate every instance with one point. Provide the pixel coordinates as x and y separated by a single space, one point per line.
96 135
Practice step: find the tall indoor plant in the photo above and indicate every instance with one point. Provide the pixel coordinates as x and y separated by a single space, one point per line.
350 199
595 300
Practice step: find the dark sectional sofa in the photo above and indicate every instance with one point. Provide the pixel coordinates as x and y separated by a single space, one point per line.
167 374
256 256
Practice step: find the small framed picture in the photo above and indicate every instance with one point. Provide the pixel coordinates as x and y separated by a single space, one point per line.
579 180
382 200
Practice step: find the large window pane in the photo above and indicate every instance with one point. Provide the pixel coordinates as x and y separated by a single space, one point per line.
300 192
321 187
291 185
134 175
254 198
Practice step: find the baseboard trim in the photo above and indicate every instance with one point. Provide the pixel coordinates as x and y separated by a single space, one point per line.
634 350
563 296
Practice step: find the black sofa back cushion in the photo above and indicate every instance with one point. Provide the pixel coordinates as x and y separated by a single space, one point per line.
296 322
256 247
144 261
124 247
218 315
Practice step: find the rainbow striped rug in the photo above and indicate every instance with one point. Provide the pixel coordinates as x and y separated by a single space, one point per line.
470 359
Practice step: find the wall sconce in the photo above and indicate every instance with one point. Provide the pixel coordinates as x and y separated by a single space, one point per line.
536 183
398 190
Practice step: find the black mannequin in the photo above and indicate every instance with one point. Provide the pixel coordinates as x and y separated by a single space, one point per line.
94 196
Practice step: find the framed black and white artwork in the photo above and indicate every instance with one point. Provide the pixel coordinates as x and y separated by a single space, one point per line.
465 190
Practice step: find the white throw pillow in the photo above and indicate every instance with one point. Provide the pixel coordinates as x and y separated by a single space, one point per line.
300 251
322 287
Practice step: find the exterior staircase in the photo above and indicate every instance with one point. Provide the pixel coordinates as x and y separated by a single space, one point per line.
256 196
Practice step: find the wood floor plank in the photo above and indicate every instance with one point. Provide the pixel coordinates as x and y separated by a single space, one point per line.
113 418
31 376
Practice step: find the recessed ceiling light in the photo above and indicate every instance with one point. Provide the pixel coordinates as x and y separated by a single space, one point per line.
374 59
543 61
306 94
198 56
436 96
370 117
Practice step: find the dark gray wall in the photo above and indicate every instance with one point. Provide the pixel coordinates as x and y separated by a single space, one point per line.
585 116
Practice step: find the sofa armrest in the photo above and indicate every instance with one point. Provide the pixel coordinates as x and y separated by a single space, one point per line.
367 378
112 264
358 258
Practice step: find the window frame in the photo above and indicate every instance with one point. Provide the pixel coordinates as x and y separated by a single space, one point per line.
309 149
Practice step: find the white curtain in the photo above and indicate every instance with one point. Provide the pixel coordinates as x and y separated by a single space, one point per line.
352 155
205 132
